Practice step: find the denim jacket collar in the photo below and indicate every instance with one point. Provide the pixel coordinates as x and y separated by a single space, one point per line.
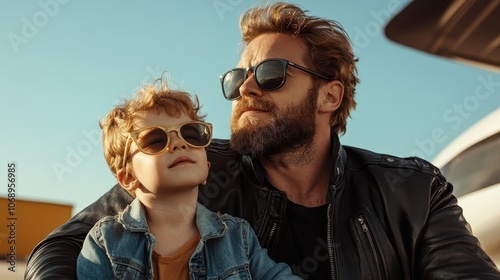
133 217
210 224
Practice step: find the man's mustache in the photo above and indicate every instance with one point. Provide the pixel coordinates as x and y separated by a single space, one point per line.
243 105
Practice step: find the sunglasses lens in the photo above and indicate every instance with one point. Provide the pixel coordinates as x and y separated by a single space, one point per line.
231 83
270 74
196 134
152 141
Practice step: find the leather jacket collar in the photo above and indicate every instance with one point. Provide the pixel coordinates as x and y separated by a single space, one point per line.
257 175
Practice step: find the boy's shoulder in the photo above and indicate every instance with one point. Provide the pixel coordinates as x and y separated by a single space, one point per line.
232 219
106 229
223 217
218 223
130 219
107 224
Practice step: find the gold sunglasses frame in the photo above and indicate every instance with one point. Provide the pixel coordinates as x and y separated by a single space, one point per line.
177 128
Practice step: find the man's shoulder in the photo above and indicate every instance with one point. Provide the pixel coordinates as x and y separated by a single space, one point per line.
411 179
359 158
109 204
220 146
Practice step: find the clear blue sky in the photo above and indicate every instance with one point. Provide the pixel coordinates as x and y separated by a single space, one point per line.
65 63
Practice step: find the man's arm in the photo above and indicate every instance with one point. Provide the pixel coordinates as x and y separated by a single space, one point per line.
448 248
55 256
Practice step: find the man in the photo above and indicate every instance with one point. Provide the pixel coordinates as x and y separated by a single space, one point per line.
330 212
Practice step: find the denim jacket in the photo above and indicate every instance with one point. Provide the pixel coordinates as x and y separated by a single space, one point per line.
121 247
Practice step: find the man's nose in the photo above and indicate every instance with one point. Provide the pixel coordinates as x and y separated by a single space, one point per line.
250 86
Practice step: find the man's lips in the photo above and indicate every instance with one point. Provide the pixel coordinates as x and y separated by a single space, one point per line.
252 110
181 160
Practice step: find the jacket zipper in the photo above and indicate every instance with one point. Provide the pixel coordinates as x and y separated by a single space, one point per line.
329 234
271 232
267 237
373 250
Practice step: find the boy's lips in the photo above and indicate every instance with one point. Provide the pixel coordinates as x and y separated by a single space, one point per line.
181 160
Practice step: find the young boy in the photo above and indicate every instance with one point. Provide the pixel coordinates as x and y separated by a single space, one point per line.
155 145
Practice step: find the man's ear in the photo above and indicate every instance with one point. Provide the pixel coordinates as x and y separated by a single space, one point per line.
127 180
330 96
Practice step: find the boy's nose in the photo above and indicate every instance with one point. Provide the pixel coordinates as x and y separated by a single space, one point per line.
176 142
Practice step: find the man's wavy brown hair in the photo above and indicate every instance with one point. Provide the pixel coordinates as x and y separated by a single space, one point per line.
329 49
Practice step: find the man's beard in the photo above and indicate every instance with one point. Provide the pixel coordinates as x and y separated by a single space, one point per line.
286 130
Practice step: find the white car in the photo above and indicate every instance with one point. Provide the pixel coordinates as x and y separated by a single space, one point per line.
465 31
472 164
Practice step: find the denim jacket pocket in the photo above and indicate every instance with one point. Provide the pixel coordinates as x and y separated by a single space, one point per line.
125 268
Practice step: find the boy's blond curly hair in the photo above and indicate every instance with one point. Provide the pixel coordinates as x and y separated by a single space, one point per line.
120 121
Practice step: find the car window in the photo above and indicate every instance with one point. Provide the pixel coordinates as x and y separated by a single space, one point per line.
476 167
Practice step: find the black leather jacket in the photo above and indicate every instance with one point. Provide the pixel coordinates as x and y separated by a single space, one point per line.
389 218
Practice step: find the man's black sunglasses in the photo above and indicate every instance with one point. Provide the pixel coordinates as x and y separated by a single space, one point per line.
269 75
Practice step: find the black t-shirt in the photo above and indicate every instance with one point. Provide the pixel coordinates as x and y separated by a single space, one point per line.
303 242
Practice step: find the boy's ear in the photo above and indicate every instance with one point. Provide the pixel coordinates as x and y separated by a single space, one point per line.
331 95
127 180
205 182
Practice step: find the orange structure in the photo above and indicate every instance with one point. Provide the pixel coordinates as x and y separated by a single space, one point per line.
24 223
